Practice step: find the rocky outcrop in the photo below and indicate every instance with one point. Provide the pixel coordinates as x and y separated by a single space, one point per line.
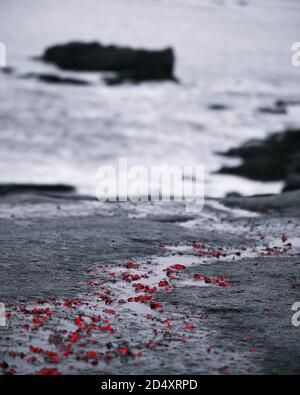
278 109
133 65
34 188
218 107
56 79
277 158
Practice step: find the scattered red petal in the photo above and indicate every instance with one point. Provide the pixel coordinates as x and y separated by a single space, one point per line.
123 351
177 267
3 365
154 305
163 283
74 338
131 265
188 327
107 328
91 355
49 372
37 350
110 311
198 246
166 324
224 369
80 323
26 327
31 359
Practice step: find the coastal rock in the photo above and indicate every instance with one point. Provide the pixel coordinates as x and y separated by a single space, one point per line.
274 159
278 109
7 70
55 79
133 65
293 178
288 102
292 183
34 188
217 107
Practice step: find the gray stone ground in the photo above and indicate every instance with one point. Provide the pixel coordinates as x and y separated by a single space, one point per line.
55 248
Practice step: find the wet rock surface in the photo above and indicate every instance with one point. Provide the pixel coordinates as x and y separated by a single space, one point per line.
90 288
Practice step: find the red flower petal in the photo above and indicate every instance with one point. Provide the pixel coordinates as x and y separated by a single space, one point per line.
131 265
166 324
47 372
188 327
123 351
91 355
177 267
163 283
110 311
154 305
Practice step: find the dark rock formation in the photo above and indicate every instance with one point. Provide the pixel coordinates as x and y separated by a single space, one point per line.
34 188
278 109
55 79
217 107
292 182
288 102
131 64
276 158
7 70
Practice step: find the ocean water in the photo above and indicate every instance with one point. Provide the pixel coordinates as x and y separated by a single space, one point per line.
231 52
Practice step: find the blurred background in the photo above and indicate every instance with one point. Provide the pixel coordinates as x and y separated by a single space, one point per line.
232 58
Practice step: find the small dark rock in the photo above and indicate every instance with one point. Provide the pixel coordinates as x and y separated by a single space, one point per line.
278 109
288 102
55 79
217 107
6 70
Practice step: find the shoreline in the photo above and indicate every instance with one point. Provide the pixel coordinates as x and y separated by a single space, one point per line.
196 325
